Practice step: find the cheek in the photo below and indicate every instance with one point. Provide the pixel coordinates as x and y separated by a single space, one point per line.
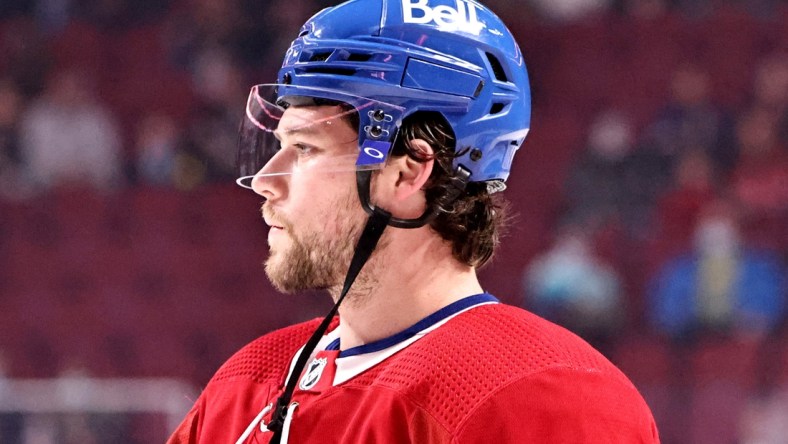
324 202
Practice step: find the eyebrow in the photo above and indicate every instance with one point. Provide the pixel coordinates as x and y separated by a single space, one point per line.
308 130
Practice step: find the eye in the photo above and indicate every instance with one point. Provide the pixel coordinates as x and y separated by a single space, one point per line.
303 149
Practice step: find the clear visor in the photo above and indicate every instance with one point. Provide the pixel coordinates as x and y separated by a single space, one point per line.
312 130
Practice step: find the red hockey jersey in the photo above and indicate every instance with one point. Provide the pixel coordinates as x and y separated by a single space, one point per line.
476 371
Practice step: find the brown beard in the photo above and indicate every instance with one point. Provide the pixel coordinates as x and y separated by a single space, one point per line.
314 260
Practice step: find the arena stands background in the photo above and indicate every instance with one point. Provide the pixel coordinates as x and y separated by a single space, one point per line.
126 250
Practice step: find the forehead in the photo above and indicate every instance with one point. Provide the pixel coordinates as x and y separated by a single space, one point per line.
324 122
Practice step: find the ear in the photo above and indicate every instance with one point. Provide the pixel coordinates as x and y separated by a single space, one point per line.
408 175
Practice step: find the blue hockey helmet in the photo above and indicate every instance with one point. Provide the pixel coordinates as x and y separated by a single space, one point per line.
455 57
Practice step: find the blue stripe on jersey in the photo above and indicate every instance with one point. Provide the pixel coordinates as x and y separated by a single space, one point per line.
427 322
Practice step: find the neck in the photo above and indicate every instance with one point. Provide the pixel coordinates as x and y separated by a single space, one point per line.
392 294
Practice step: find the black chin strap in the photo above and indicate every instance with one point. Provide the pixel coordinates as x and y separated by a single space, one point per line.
376 223
459 182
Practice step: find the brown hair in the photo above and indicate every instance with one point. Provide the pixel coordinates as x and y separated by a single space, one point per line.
474 222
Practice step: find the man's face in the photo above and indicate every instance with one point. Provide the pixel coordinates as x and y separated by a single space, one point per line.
311 200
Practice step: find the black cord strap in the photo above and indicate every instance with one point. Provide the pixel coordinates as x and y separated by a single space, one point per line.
376 223
459 181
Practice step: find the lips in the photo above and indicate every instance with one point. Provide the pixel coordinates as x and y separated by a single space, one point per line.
275 231
274 224
271 220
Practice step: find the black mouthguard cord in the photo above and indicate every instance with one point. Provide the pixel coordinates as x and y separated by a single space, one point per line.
376 223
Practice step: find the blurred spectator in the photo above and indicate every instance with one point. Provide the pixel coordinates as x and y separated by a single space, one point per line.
611 180
693 187
760 180
696 9
10 422
67 137
770 87
116 15
763 420
722 286
11 427
770 90
156 149
766 10
246 33
217 44
571 286
207 154
593 186
689 121
562 11
12 183
290 16
13 8
24 55
52 16
165 157
644 9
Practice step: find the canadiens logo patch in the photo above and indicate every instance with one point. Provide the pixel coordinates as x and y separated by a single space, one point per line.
313 373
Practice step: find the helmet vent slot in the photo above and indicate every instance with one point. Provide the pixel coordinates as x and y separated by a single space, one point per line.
496 108
320 56
497 68
358 57
330 70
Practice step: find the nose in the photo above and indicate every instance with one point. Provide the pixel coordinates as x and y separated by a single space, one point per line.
271 181
263 186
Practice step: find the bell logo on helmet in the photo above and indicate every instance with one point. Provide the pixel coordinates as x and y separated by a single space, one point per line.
463 18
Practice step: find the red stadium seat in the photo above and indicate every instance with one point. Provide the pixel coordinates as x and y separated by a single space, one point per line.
724 372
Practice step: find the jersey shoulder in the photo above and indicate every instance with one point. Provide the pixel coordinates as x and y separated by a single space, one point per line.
509 341
481 352
519 341
267 357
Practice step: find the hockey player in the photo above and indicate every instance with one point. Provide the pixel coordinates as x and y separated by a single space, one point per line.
381 153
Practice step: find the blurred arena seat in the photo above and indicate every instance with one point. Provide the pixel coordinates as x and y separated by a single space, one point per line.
724 371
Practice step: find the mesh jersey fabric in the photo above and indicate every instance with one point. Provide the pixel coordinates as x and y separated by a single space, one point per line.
494 370
268 358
